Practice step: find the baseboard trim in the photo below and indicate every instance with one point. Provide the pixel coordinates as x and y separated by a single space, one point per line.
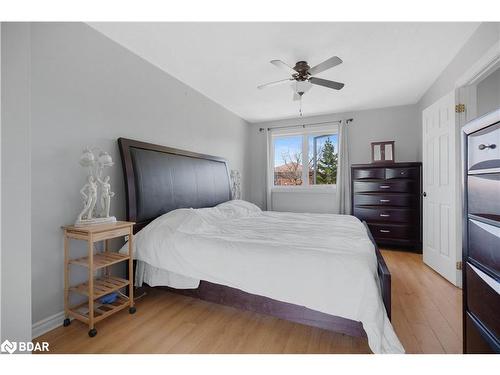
47 324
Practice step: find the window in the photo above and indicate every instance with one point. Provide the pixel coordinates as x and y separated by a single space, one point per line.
323 156
305 158
288 161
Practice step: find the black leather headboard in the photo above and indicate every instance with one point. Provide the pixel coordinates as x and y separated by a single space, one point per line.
160 179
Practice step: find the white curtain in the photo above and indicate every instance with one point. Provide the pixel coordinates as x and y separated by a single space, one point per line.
269 177
343 172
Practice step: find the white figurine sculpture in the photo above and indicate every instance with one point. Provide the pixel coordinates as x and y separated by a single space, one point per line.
106 195
89 193
235 184
90 190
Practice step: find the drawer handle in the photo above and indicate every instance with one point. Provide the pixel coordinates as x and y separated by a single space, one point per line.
385 231
385 200
402 172
385 215
483 146
385 186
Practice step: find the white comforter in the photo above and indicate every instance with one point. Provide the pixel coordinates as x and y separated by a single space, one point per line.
324 262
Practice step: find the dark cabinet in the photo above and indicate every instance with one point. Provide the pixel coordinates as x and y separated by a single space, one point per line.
481 242
388 197
483 245
478 340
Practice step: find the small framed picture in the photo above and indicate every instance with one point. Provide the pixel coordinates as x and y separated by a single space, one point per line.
383 152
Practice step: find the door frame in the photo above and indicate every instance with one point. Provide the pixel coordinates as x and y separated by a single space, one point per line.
466 93
466 84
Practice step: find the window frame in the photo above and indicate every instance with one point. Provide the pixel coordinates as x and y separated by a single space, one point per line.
305 132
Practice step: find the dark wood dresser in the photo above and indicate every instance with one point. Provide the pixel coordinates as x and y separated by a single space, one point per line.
481 235
389 198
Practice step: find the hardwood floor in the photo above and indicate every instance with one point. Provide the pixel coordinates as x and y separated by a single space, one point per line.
426 308
426 315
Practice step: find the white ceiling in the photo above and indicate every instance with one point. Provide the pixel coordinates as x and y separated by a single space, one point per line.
385 64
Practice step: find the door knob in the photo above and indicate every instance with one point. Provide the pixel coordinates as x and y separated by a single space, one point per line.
424 194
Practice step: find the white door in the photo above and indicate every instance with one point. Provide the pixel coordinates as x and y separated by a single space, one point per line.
441 186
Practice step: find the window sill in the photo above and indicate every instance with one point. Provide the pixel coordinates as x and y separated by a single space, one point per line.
305 189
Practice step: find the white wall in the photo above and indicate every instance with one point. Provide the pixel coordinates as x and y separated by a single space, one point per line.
300 201
88 90
488 93
487 34
16 179
393 123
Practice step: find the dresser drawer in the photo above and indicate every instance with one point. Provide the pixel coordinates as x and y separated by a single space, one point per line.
484 195
395 173
396 186
483 298
484 245
395 200
483 148
478 340
387 215
394 232
369 173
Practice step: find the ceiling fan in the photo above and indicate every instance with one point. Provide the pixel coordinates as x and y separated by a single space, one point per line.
302 74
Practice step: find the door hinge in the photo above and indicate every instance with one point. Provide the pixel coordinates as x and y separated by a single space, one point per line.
459 265
460 108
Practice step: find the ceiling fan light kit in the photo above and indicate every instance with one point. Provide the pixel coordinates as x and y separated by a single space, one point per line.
301 87
302 76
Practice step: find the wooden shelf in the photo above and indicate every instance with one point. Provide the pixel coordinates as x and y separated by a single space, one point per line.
102 286
101 260
94 288
101 310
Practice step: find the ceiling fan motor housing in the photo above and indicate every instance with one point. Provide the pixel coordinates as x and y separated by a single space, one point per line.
301 67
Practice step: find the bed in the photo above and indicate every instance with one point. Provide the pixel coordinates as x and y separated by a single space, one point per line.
191 238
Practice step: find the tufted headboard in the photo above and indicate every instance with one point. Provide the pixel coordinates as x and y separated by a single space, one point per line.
160 179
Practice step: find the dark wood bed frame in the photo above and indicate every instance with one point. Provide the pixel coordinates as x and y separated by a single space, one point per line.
225 295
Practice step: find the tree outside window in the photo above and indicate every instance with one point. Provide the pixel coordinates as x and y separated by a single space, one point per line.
325 161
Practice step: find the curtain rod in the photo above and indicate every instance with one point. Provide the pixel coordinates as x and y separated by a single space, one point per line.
347 121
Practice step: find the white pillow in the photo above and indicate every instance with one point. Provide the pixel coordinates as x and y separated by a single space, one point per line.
238 208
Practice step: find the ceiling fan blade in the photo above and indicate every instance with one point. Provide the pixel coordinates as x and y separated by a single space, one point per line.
282 65
296 96
327 64
274 83
324 82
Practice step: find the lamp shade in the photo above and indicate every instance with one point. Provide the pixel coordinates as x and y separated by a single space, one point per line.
105 159
87 158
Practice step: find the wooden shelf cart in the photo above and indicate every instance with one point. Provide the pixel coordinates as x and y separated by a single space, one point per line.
93 311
